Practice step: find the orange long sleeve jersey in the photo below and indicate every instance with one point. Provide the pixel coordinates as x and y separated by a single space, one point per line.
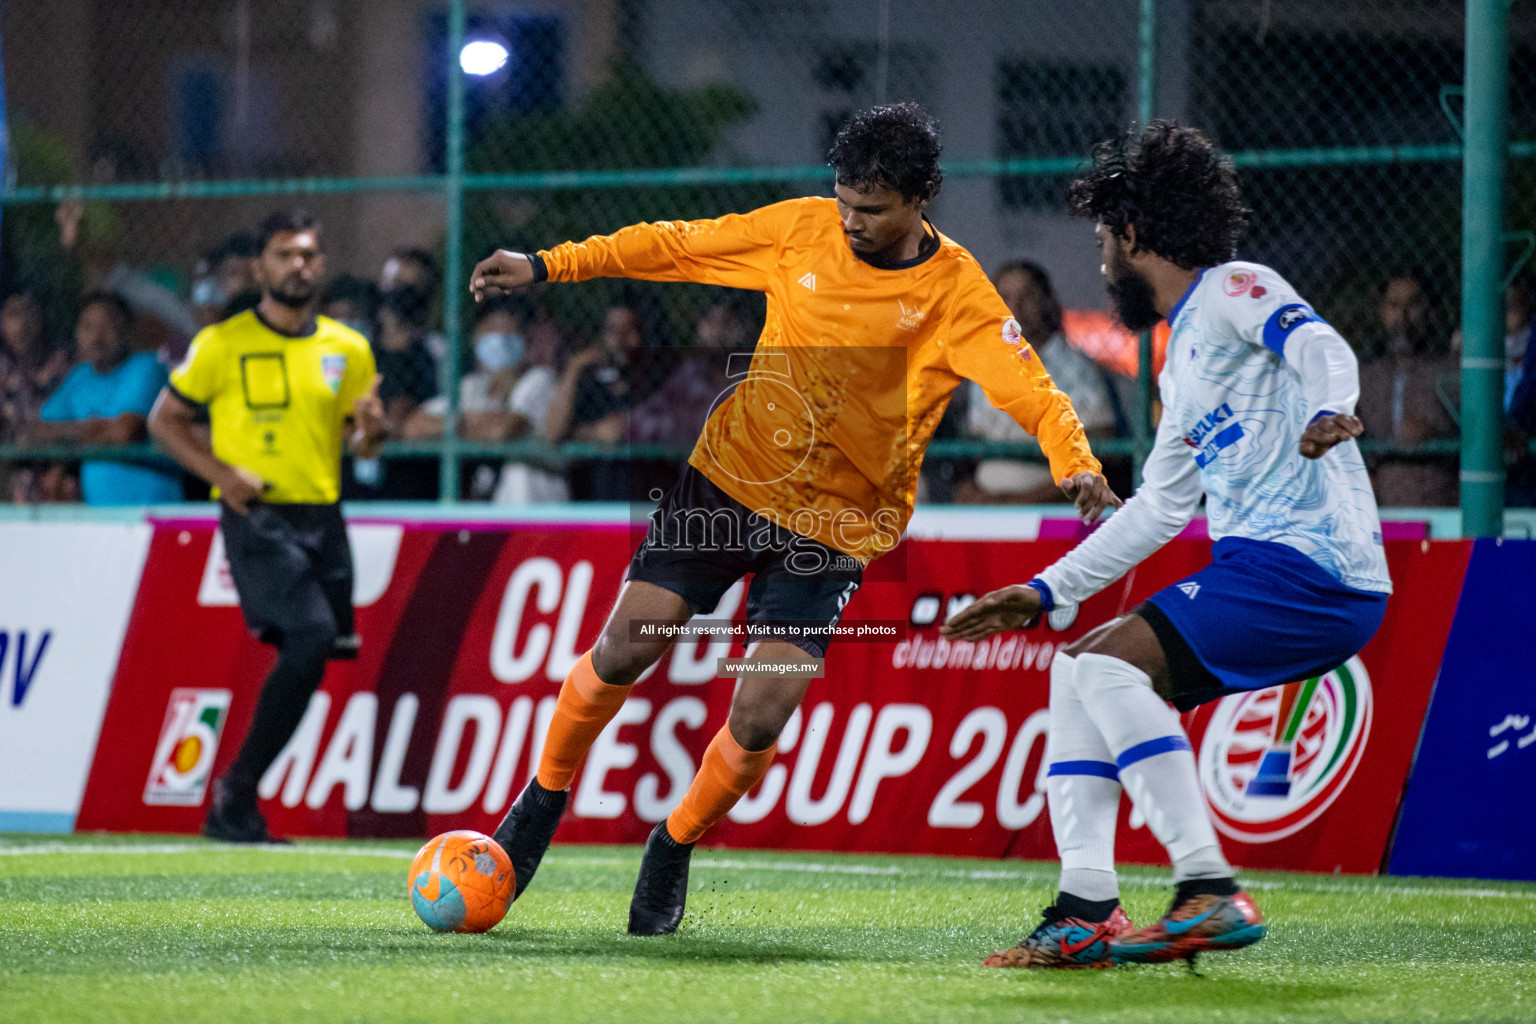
826 428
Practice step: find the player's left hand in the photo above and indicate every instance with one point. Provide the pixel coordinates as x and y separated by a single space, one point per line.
368 417
1325 432
1091 494
1008 608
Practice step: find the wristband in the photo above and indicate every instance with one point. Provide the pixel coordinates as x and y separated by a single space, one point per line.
1047 599
540 268
1320 414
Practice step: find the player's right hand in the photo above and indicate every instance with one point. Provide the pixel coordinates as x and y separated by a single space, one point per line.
1009 608
240 488
502 272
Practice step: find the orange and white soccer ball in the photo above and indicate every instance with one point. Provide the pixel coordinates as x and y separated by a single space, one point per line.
461 882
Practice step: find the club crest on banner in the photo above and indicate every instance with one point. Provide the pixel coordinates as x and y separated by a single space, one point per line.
1273 760
189 741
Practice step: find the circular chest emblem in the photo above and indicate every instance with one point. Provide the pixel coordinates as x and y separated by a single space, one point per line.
1273 760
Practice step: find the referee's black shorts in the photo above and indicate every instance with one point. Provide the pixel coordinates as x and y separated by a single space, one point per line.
701 541
292 567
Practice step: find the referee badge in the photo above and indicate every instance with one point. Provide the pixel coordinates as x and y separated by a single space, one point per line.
334 367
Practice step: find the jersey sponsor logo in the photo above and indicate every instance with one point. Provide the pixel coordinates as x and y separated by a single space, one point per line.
189 742
334 369
1273 760
911 318
809 280
1238 282
1190 589
1213 419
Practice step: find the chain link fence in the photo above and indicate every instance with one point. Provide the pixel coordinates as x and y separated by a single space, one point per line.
146 139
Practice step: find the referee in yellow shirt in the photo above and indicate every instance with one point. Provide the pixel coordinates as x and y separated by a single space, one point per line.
283 388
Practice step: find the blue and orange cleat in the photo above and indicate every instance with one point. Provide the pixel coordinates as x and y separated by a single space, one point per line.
1197 924
1065 943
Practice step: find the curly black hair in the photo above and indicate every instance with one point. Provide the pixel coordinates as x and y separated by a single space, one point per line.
1172 183
895 146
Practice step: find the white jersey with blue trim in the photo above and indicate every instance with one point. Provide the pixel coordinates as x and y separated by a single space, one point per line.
1241 409
1249 365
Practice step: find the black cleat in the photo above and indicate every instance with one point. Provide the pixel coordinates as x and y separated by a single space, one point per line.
527 829
232 820
662 889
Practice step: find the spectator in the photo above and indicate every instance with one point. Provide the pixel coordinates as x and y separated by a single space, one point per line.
30 366
409 372
1519 395
409 267
224 276
505 398
525 483
675 412
408 377
1518 324
1408 394
1026 288
592 403
106 400
485 392
354 302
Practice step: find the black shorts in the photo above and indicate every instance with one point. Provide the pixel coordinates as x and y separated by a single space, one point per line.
292 567
701 541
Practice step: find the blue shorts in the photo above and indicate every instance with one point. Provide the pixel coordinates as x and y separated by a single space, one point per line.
1261 614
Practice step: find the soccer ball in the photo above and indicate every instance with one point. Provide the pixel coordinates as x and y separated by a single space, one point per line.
461 882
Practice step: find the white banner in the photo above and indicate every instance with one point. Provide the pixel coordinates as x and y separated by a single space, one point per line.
66 591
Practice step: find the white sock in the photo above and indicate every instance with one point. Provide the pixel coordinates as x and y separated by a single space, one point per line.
1083 790
1157 766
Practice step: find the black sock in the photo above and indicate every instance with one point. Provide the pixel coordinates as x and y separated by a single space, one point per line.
1092 911
549 799
1206 887
284 698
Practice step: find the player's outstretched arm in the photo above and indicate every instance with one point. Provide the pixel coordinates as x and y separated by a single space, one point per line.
1009 608
502 272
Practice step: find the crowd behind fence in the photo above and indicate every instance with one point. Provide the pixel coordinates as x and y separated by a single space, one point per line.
128 204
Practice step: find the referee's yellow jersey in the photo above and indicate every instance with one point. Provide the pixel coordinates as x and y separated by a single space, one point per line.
278 405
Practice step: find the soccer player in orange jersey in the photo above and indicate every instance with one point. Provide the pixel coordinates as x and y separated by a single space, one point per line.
806 471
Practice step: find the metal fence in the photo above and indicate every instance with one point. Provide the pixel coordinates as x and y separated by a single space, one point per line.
145 136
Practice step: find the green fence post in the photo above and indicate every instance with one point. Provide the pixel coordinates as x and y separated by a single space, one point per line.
1146 94
1482 269
453 257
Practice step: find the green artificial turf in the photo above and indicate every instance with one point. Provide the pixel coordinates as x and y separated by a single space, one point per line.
173 929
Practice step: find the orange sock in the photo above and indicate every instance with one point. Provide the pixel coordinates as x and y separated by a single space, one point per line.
726 775
586 704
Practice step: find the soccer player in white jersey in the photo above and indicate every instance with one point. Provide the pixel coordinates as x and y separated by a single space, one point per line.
1258 395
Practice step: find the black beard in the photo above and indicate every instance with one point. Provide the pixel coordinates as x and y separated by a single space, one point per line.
293 300
1134 300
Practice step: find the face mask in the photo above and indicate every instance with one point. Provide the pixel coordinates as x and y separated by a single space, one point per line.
1515 346
499 351
206 291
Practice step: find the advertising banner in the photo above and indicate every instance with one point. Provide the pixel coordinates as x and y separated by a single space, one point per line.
1467 813
68 589
908 744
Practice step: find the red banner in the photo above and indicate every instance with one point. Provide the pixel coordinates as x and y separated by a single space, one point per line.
913 746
